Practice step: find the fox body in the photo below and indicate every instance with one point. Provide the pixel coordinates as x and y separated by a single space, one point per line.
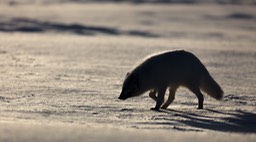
170 70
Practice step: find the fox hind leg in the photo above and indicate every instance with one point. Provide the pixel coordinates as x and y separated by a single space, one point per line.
199 96
170 98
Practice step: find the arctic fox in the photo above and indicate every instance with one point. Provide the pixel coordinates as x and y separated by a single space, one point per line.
171 70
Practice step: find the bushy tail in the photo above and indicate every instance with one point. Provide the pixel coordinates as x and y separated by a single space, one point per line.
211 87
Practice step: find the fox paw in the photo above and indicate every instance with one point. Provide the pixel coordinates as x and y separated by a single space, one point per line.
154 109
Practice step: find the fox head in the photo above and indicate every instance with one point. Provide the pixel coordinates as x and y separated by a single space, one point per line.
130 87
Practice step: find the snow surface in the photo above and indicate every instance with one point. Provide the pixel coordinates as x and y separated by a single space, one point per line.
62 67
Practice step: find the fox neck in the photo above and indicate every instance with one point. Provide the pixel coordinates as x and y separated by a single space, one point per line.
144 85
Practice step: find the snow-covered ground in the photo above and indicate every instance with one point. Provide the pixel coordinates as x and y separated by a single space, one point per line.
62 67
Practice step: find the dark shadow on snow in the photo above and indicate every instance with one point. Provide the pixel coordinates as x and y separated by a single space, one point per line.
238 121
139 1
36 26
235 2
232 16
243 16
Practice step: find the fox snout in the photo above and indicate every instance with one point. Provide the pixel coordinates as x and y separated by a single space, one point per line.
122 97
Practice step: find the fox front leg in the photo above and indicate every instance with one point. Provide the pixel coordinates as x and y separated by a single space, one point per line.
152 94
170 98
160 98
